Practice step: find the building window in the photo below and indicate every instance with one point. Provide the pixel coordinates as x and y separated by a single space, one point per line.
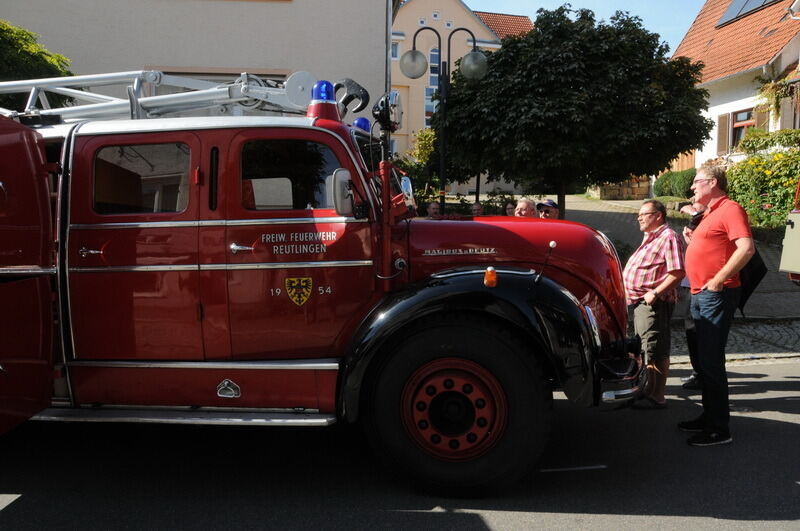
433 61
395 50
731 128
422 21
741 122
430 106
436 15
448 24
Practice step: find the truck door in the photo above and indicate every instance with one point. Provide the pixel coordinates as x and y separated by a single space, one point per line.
299 276
26 268
132 247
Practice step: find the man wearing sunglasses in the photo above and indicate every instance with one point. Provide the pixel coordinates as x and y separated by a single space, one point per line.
717 250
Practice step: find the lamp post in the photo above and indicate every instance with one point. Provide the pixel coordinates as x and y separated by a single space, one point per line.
414 64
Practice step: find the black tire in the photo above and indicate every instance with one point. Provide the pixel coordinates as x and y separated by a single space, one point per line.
460 405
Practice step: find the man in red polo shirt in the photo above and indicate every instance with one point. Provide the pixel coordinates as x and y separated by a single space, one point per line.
717 249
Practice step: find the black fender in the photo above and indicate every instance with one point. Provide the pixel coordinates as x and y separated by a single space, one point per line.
549 318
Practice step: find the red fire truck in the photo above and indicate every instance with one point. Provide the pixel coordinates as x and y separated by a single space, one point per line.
269 271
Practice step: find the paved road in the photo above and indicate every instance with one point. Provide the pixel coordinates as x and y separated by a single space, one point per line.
615 469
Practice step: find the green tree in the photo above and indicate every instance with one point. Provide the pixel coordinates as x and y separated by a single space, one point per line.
575 102
22 57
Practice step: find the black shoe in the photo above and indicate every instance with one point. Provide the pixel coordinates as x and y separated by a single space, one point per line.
693 426
692 382
710 438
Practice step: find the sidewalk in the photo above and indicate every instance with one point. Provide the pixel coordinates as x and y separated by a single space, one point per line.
771 327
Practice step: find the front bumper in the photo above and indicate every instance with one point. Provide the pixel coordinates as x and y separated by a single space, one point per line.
621 378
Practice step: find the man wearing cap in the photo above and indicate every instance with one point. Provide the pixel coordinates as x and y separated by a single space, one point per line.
547 209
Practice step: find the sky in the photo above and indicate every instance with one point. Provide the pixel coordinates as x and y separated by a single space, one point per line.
668 18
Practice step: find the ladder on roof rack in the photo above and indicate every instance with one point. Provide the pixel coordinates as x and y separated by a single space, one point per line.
248 91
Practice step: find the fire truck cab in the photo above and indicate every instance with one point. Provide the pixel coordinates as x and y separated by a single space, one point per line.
270 271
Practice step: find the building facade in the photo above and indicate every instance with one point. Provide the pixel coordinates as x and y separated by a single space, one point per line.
444 16
740 41
217 39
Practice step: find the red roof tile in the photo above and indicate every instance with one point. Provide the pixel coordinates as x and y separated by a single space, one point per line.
742 45
504 25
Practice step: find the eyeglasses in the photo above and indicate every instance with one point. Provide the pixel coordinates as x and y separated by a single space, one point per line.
696 181
643 214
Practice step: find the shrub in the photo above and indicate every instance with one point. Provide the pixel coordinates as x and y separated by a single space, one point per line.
674 183
663 185
758 140
764 184
682 182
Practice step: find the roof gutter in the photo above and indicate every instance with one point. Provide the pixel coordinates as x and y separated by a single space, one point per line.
757 69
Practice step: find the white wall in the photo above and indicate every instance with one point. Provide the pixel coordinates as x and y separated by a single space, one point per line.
733 94
330 39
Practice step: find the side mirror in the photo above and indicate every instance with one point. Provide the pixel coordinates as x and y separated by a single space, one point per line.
342 192
408 192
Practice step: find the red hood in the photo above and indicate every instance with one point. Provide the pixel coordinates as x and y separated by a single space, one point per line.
583 261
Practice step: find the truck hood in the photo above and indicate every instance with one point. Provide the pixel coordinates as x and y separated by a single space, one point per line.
583 260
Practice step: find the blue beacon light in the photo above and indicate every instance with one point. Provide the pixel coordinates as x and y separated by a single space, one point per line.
323 92
362 123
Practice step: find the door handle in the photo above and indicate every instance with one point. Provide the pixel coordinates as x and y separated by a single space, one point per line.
235 248
790 223
84 252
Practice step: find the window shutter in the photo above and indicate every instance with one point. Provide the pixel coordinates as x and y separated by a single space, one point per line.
762 120
787 114
723 134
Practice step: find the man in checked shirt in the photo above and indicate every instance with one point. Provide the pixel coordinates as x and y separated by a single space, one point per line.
651 276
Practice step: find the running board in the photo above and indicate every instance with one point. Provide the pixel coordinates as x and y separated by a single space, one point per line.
219 418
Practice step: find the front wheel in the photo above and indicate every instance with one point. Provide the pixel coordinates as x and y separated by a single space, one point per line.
460 405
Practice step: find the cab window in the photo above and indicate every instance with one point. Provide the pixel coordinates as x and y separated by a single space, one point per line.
286 174
138 179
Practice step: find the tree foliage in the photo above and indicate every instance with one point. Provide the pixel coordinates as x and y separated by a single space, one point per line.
576 101
22 57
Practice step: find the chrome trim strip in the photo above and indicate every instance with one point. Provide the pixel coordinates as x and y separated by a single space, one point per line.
127 269
291 221
446 274
285 265
26 270
135 225
212 223
220 267
228 418
326 364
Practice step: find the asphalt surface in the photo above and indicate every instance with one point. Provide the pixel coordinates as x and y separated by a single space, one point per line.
612 469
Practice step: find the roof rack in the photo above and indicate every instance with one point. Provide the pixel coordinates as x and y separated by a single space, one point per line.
248 91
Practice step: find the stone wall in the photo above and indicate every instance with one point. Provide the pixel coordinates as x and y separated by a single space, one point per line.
636 188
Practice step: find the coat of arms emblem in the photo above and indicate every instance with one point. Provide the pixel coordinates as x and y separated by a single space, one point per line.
298 289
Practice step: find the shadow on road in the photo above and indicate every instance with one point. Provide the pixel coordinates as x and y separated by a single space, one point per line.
84 476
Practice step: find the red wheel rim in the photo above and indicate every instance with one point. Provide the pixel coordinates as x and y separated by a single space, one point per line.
454 409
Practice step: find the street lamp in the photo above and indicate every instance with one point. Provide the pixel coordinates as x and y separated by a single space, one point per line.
414 64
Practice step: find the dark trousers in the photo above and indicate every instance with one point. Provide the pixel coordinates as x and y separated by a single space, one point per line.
712 313
685 304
